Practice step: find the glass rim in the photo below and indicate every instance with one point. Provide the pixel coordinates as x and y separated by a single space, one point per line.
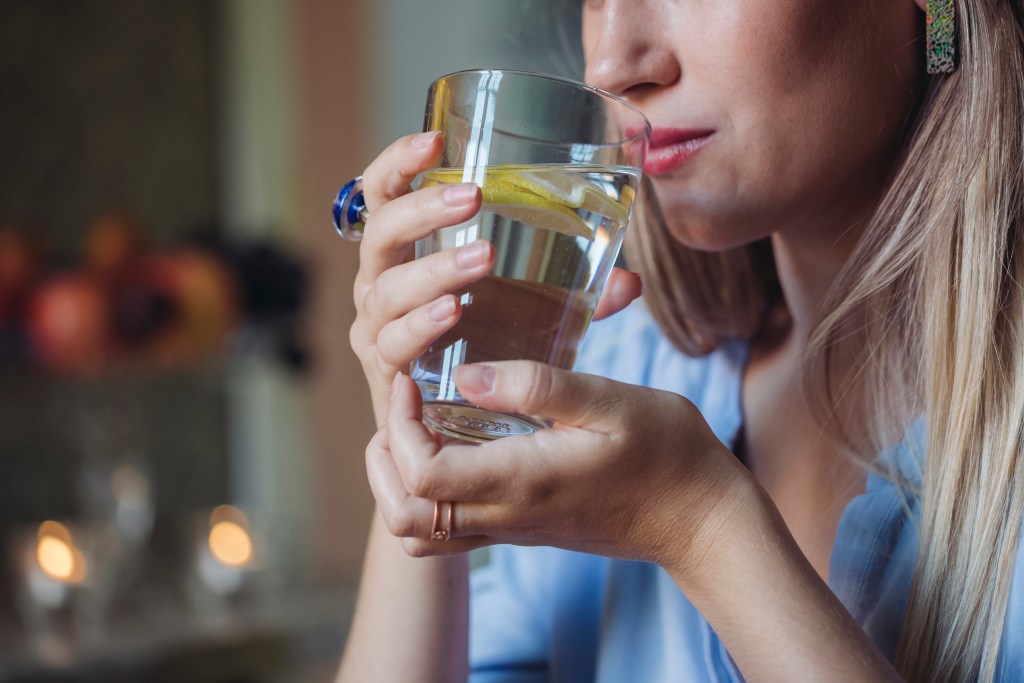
565 81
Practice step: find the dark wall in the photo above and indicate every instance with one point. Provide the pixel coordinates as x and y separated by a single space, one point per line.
108 103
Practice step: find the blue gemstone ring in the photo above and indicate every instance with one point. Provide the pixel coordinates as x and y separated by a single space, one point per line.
350 212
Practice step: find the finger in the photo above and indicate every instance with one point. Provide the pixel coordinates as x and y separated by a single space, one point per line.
392 499
409 440
390 175
457 471
623 287
408 517
402 341
392 229
404 287
533 388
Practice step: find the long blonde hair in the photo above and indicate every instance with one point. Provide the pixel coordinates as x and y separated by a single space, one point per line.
931 307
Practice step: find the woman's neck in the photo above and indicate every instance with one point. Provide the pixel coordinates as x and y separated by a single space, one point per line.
807 266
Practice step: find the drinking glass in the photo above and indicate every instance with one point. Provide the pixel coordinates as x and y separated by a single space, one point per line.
559 164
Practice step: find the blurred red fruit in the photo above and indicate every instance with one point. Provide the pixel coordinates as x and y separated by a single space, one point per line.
203 296
68 324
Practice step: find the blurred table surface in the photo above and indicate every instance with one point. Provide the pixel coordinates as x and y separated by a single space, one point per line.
292 637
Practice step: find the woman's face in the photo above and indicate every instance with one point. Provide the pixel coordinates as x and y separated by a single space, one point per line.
768 114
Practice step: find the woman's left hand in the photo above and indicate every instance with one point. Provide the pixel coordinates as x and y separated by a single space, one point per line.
626 471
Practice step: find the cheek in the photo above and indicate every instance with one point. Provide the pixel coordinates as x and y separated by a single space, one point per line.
789 78
808 104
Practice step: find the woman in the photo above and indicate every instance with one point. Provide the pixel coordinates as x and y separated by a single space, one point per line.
837 247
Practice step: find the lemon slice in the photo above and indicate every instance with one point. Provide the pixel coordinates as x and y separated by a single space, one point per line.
507 193
521 205
573 191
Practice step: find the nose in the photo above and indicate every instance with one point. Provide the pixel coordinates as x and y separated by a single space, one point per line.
627 53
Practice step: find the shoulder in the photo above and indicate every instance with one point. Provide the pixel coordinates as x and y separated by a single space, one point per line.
875 555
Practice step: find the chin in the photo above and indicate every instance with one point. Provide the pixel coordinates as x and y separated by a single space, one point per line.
709 221
715 235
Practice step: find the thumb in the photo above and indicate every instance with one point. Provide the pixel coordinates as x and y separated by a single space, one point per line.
531 388
623 286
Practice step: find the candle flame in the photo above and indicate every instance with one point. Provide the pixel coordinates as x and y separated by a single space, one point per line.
57 555
230 544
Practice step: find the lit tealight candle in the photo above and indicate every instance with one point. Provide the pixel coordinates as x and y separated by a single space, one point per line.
230 544
57 555
228 553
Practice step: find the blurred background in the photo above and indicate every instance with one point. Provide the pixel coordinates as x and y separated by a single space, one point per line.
182 492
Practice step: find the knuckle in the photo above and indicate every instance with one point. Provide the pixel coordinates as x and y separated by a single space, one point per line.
393 342
680 405
397 519
363 351
384 172
403 523
419 481
389 518
377 485
359 289
378 295
355 337
378 442
372 229
381 233
417 548
413 326
385 348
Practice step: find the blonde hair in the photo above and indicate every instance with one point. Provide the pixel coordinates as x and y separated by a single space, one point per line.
930 307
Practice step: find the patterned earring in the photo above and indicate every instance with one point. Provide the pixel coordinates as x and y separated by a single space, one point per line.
940 35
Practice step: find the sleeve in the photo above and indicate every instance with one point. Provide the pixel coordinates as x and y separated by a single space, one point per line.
535 612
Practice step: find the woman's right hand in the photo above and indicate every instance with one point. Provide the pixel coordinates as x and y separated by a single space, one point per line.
402 304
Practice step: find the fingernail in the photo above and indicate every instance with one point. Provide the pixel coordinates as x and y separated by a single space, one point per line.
394 385
424 139
442 310
475 379
459 195
472 254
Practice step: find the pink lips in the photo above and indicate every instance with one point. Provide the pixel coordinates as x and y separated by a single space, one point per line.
671 147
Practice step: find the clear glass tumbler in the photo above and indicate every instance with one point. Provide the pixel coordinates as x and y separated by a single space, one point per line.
559 165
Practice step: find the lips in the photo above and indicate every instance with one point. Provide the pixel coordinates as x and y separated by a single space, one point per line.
671 147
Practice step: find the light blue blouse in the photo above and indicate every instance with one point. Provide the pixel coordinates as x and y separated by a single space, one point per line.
544 614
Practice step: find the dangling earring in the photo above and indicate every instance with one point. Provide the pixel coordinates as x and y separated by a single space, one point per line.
940 35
